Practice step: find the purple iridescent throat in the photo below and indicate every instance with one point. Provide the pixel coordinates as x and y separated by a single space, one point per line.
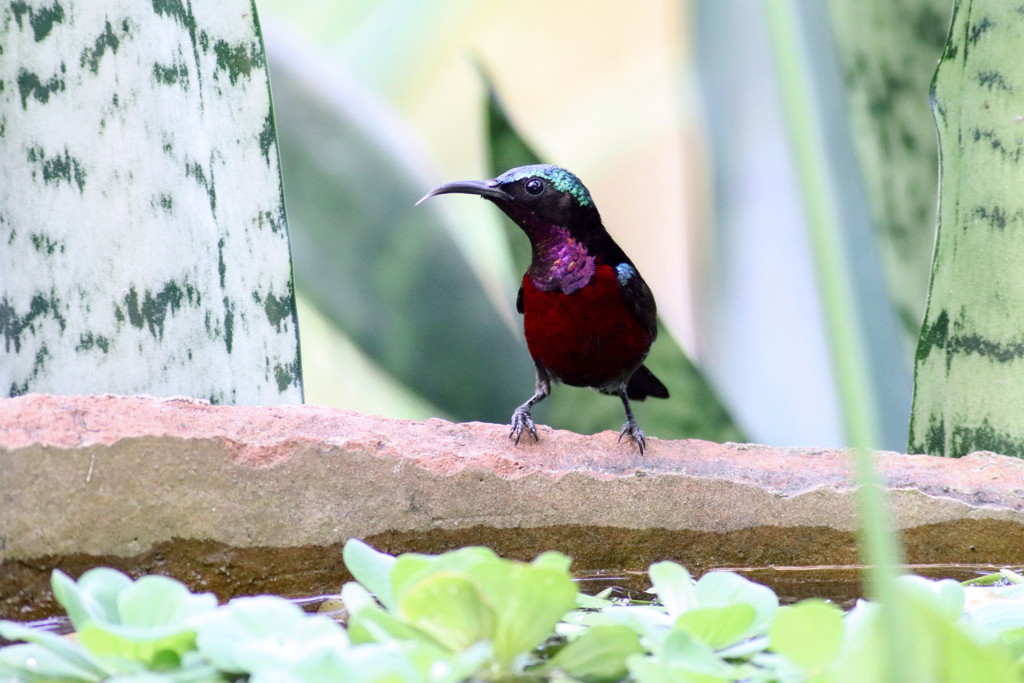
559 261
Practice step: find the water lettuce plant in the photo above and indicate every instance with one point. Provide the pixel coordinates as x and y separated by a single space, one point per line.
469 615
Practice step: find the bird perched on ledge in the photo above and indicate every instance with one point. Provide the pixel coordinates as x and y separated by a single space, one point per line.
588 316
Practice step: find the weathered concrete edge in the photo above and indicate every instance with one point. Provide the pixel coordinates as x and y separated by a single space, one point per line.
301 476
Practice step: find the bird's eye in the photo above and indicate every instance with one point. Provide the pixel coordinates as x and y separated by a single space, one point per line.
534 186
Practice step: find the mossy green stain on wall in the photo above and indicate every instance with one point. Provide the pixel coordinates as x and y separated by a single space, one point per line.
970 439
57 169
38 365
993 80
89 341
287 376
107 40
276 223
45 245
14 324
175 9
278 310
996 216
268 136
175 74
30 85
194 169
229 324
934 336
991 137
985 437
977 29
41 20
239 59
222 268
151 310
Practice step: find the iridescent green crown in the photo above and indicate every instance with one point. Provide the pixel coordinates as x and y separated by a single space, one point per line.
560 179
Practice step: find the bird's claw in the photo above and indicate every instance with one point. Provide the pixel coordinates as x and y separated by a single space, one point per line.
633 430
522 421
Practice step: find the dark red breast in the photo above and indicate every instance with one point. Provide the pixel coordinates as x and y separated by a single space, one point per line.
587 338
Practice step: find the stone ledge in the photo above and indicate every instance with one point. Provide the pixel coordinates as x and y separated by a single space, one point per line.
84 478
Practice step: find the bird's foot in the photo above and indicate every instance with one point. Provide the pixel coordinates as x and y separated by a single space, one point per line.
633 430
522 421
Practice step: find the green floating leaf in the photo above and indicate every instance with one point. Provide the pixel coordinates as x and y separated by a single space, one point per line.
93 597
384 271
414 567
553 560
144 621
265 633
945 595
697 660
599 654
648 670
450 608
466 596
31 662
58 649
809 633
368 623
718 627
998 619
674 587
363 664
528 601
694 409
652 623
371 568
941 649
723 589
1011 576
992 579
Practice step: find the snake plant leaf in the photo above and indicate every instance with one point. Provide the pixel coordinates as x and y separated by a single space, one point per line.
888 52
145 247
969 374
694 409
386 272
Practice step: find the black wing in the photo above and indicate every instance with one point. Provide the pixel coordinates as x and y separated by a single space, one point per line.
638 297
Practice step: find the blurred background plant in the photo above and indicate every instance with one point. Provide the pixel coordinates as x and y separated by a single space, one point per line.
671 114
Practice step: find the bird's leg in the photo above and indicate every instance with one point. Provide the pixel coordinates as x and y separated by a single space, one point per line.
631 427
521 418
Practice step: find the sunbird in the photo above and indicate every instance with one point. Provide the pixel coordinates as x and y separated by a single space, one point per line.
588 317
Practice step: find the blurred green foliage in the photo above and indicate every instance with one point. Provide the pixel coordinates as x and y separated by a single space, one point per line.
385 272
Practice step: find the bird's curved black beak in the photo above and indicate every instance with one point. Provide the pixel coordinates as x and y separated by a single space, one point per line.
487 189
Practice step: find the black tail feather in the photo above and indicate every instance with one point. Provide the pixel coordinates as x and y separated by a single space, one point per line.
643 383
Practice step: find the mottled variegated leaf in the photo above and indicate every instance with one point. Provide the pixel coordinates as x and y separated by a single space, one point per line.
969 391
144 243
888 52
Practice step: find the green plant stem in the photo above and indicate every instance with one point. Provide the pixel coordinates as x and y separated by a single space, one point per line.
878 544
